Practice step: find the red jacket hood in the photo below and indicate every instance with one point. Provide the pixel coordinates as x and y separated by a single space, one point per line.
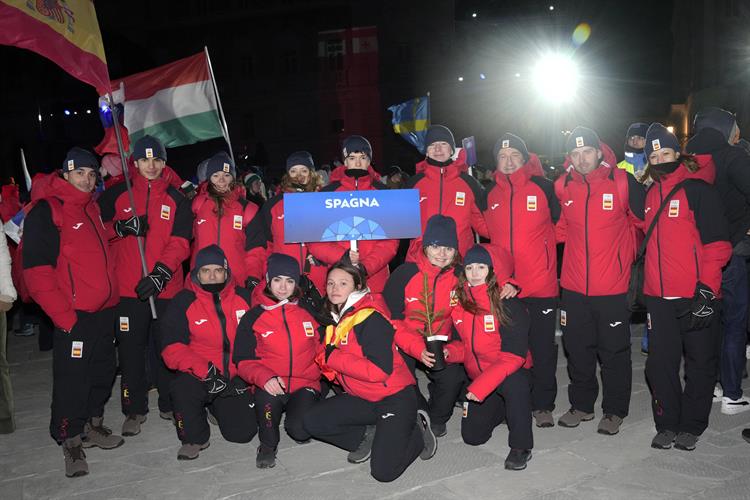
531 168
706 172
459 163
340 172
42 185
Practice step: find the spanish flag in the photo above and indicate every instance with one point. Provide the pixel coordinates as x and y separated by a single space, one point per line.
64 31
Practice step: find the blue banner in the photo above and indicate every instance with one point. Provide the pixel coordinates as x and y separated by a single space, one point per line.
351 215
411 119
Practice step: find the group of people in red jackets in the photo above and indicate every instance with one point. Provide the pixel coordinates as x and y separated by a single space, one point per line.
325 334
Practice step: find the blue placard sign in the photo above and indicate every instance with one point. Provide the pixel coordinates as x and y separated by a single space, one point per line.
351 215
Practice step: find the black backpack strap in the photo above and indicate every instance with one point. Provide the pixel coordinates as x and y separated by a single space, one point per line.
642 250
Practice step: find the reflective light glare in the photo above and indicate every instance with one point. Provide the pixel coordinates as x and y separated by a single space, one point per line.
581 34
88 111
482 76
518 75
460 78
39 117
671 129
474 14
551 7
75 112
67 112
556 78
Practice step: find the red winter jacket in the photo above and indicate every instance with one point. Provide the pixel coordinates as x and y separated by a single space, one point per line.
521 213
490 352
279 339
404 293
452 192
69 268
367 364
200 327
600 212
10 202
265 235
227 231
167 241
374 255
690 242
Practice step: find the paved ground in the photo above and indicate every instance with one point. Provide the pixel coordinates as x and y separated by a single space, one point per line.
567 464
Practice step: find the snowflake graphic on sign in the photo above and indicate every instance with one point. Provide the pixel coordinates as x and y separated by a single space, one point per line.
353 228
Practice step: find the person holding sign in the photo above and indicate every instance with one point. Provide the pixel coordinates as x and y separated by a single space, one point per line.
493 346
447 189
684 256
265 233
221 214
200 328
162 220
277 342
521 213
601 206
69 270
376 418
371 256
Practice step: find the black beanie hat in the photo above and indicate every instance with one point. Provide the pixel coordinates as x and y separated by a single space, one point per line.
440 133
581 137
212 254
658 137
638 129
715 118
300 158
280 264
220 162
478 255
79 158
508 140
149 147
440 231
356 143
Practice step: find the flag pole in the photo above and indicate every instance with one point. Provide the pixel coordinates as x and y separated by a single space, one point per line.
224 127
121 148
26 175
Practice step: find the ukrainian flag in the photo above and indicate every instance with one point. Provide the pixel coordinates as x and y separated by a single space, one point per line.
411 119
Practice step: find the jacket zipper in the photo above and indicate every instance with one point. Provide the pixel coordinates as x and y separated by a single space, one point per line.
586 229
148 197
440 198
473 351
104 250
226 346
658 242
697 269
218 230
289 337
510 232
72 285
619 260
546 253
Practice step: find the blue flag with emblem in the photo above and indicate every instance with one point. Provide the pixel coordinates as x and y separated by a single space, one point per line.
411 119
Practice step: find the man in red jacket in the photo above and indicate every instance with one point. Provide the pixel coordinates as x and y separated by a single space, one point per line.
521 213
447 189
69 271
199 332
162 219
601 205
372 256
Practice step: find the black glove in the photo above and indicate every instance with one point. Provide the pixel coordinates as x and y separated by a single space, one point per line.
215 381
251 282
329 349
702 308
154 283
137 225
236 387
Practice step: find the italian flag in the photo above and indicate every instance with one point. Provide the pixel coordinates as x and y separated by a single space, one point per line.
175 103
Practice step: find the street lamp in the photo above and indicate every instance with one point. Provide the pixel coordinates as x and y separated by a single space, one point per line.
556 78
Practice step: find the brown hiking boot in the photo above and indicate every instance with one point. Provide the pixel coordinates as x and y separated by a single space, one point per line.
609 425
543 418
190 451
574 417
132 425
75 458
96 434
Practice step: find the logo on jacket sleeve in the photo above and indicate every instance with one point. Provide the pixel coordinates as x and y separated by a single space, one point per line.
563 318
239 313
200 221
309 330
454 299
166 211
200 321
608 201
466 409
237 222
76 349
648 321
124 324
531 203
77 225
489 323
460 198
674 208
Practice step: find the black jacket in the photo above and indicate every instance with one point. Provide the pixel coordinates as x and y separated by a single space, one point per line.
732 177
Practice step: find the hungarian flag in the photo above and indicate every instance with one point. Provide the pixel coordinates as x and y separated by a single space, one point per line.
64 31
175 103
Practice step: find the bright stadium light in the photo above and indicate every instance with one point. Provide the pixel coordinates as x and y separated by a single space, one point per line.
556 78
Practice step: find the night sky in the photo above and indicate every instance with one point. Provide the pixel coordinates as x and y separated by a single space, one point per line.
628 58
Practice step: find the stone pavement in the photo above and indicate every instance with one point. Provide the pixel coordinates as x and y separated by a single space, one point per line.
567 463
